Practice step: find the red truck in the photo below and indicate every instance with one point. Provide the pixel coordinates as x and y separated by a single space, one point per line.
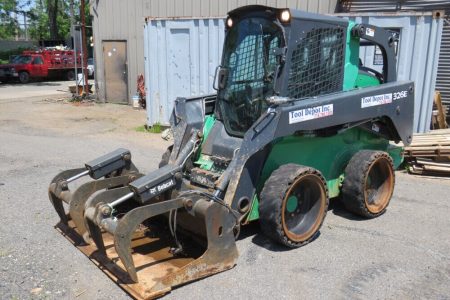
41 64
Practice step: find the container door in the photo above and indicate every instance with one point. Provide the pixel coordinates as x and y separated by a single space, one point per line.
116 75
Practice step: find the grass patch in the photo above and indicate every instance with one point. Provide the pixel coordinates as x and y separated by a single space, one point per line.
156 128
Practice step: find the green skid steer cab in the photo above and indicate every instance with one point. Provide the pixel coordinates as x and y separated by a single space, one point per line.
296 121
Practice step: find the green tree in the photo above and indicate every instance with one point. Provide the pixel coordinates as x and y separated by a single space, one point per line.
10 10
50 19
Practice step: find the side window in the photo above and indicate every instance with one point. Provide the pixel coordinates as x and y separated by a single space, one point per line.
38 61
317 63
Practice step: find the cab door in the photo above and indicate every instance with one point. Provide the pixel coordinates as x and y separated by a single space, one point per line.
37 67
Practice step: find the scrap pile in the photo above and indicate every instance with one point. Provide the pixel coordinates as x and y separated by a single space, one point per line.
429 153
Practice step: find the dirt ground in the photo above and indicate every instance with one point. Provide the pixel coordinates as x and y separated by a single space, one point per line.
402 254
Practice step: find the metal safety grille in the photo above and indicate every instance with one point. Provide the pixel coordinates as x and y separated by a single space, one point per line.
317 63
249 62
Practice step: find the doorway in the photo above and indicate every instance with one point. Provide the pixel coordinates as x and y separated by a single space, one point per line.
116 73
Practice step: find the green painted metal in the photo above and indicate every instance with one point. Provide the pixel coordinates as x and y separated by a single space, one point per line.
351 59
208 125
329 155
292 203
364 80
203 161
334 186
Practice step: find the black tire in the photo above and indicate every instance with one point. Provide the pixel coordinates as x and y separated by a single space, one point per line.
24 77
369 183
70 75
165 157
298 225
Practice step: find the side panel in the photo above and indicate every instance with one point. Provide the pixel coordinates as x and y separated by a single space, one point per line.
329 155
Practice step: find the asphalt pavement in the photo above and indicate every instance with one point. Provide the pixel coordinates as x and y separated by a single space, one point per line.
404 254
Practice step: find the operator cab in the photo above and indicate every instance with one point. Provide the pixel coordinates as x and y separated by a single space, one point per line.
276 52
292 55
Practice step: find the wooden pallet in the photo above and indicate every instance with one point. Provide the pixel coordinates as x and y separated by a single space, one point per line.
429 153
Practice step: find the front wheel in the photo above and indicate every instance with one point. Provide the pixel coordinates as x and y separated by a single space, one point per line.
293 205
70 75
24 77
369 183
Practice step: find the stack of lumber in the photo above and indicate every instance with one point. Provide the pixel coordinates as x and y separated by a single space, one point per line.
429 153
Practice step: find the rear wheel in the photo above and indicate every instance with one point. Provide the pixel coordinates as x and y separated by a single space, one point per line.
24 77
293 205
369 183
70 75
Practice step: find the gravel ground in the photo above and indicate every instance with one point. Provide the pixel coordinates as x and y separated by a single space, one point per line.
402 254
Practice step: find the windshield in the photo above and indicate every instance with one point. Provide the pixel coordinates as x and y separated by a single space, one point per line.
22 59
249 64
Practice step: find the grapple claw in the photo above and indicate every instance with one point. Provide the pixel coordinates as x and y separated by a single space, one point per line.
82 194
57 192
109 171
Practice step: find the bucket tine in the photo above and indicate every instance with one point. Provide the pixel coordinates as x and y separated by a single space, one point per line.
93 230
82 194
59 207
56 192
128 224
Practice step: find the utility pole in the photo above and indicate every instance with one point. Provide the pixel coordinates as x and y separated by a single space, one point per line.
25 24
83 44
72 22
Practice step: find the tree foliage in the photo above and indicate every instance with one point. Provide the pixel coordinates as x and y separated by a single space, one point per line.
10 11
48 19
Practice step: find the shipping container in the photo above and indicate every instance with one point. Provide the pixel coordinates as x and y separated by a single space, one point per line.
181 56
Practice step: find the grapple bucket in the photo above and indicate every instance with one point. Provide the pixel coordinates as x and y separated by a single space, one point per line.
145 258
110 171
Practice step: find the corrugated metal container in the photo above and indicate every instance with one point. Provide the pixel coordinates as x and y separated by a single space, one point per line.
392 5
443 76
181 57
417 54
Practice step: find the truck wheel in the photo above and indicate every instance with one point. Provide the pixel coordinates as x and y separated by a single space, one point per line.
293 205
70 75
24 77
165 157
369 183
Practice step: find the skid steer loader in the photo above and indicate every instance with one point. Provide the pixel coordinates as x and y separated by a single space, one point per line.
296 120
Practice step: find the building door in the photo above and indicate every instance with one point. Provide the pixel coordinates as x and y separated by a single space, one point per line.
116 75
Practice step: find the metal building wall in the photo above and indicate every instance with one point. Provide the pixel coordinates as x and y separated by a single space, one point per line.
417 56
124 20
443 76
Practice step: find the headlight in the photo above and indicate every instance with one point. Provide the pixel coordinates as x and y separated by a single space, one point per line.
285 16
229 22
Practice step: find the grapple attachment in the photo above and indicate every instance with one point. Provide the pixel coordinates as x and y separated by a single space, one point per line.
139 236
146 257
115 169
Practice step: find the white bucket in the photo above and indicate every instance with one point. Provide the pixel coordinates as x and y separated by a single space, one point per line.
80 79
136 101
